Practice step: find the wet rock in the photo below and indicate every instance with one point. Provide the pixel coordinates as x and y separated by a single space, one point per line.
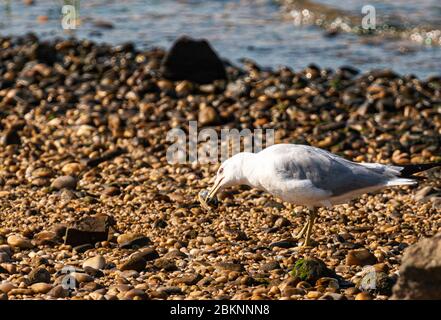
89 230
420 271
192 60
360 257
62 182
310 270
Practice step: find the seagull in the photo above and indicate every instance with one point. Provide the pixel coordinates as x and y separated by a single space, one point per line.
309 176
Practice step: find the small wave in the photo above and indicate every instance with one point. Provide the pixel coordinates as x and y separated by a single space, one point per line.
335 20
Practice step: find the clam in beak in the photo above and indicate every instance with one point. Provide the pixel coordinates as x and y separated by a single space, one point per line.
206 198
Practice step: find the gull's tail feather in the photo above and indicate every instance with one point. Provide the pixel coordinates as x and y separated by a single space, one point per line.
401 182
410 169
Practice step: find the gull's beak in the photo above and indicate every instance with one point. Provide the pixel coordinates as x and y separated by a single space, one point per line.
215 188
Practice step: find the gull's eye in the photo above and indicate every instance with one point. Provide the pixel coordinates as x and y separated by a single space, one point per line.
220 170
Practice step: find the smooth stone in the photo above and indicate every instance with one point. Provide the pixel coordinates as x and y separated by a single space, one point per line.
132 241
97 262
41 287
6 287
360 257
136 294
19 242
58 292
82 277
138 260
363 296
46 238
62 182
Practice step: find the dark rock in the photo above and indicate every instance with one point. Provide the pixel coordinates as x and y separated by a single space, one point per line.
108 155
60 230
193 60
170 290
310 270
45 53
89 230
138 260
39 275
137 242
420 271
284 244
165 264
83 248
10 137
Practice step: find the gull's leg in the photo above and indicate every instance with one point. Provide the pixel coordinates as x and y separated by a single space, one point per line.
311 220
299 235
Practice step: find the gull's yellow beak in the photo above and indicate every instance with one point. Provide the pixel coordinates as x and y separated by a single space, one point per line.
205 200
214 189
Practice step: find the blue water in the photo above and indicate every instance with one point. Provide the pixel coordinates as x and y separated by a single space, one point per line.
254 29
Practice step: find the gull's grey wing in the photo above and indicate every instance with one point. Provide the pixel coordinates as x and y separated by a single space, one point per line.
329 172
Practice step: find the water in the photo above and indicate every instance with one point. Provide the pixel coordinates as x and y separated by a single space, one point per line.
255 29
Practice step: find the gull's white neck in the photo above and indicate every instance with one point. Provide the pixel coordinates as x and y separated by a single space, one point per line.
249 169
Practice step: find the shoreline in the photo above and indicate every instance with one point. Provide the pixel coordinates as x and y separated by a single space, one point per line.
83 142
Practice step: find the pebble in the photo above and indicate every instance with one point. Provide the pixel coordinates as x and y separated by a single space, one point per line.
39 274
360 257
58 292
132 240
97 262
6 287
19 242
363 296
62 182
41 287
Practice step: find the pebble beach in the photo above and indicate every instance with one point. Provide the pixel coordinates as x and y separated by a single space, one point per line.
85 185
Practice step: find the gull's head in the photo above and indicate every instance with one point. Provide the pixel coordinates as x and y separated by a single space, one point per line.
230 173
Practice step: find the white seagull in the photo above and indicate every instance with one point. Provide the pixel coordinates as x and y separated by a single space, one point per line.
309 176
